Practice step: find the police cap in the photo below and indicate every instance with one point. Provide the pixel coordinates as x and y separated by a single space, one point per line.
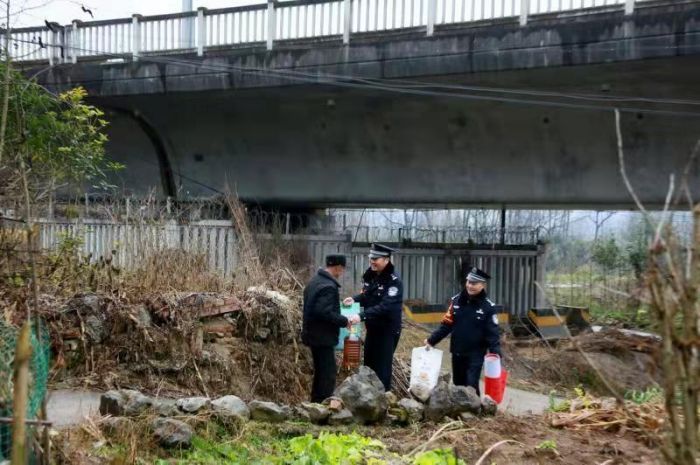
477 275
380 250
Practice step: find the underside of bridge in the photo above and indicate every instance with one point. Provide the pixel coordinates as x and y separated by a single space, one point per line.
193 127
323 145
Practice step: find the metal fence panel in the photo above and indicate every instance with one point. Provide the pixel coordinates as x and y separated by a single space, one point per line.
431 274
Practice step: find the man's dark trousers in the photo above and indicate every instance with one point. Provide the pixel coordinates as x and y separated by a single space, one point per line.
324 373
379 353
466 369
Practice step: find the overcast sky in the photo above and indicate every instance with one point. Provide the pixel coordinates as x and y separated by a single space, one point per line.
34 12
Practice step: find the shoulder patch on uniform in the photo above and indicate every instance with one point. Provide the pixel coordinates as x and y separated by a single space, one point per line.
494 317
454 296
393 291
394 277
490 301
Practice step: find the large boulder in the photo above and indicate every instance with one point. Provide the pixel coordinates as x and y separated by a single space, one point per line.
363 395
269 411
413 408
464 399
231 407
171 433
448 400
192 404
439 403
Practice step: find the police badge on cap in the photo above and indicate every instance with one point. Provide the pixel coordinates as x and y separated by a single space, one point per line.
477 275
380 250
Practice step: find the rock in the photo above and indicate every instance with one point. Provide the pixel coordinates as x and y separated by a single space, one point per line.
369 374
489 406
123 402
165 407
450 400
466 416
192 404
391 398
112 403
95 328
172 433
363 395
344 417
413 408
439 404
335 404
301 414
464 399
269 411
318 413
231 407
113 425
137 404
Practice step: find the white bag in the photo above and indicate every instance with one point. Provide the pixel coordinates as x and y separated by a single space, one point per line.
425 371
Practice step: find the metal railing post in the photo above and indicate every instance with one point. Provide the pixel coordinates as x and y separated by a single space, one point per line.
432 10
53 44
271 24
347 26
201 30
74 42
524 11
135 37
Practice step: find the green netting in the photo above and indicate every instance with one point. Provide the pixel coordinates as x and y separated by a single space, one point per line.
38 376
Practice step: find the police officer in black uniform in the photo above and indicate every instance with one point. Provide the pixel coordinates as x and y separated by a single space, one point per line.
382 301
322 323
472 320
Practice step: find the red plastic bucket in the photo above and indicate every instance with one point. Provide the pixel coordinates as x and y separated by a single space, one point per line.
496 387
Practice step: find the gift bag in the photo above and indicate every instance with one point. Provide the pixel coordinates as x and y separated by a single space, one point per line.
425 371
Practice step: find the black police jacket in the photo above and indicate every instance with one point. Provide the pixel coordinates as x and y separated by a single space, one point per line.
473 323
382 300
322 318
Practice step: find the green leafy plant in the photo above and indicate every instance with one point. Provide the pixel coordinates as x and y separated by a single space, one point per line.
548 444
653 394
330 449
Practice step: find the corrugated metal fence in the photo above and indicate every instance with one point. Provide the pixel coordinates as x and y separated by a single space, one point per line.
429 274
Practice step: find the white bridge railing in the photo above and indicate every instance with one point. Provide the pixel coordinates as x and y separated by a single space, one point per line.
268 23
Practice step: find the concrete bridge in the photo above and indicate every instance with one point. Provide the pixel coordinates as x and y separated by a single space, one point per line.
432 102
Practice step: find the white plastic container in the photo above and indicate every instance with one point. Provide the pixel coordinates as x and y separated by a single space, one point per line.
492 366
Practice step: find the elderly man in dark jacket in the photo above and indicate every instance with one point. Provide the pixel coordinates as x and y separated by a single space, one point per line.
322 323
472 320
